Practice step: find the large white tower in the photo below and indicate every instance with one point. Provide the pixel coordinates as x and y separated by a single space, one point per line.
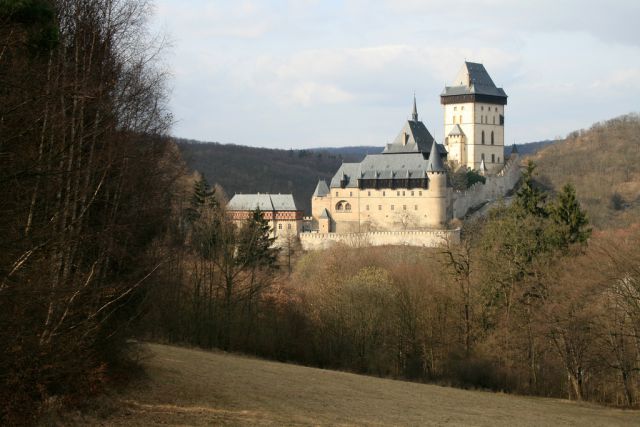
474 119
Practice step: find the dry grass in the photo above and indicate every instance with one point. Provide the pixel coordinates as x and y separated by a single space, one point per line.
193 387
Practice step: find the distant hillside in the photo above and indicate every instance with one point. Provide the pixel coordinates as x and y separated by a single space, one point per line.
351 152
240 169
531 148
603 163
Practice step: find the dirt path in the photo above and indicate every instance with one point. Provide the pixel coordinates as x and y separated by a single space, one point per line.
192 387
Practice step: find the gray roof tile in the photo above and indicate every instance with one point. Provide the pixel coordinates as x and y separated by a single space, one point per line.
456 130
266 202
435 162
321 189
473 79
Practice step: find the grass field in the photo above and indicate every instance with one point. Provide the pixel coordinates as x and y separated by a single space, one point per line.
193 387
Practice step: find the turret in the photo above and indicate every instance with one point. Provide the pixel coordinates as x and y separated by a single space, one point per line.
437 175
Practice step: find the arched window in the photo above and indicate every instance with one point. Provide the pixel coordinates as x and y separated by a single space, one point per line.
483 137
347 207
340 206
491 137
493 158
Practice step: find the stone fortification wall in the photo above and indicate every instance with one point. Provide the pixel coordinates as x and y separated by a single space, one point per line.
496 186
428 238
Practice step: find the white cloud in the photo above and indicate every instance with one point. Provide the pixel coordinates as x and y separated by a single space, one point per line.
343 72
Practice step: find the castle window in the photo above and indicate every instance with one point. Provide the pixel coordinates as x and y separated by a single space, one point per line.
288 226
336 194
493 158
496 109
379 207
404 207
384 193
279 226
482 156
492 134
482 137
403 193
455 108
419 193
350 193
368 193
482 108
347 207
392 207
415 208
412 193
398 193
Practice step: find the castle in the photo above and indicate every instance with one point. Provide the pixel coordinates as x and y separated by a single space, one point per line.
403 195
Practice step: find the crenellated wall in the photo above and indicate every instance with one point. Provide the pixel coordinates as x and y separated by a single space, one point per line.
496 186
427 238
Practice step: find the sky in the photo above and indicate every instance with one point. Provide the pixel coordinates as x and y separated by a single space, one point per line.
327 73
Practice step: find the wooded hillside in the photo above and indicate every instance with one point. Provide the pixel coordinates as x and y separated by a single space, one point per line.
241 169
603 163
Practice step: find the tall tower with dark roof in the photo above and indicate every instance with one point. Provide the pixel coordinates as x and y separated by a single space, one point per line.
474 119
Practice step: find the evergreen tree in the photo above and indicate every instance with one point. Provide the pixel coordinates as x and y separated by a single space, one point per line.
571 220
529 199
202 197
255 242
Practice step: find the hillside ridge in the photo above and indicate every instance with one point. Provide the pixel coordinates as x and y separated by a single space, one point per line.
603 164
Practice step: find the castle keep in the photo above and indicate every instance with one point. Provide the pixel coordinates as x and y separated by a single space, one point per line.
474 119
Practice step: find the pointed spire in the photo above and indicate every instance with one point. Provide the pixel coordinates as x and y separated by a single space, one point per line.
514 149
435 161
414 113
321 189
483 167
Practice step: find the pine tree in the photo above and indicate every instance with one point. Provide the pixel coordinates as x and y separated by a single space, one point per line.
255 246
529 199
571 220
201 194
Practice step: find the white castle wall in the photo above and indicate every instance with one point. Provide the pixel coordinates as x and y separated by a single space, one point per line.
496 186
428 238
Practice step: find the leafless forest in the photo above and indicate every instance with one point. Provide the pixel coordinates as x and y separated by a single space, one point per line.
531 302
84 179
105 237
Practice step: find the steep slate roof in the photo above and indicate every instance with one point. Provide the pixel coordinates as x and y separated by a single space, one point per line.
435 162
384 166
321 189
324 214
473 79
418 139
266 202
456 130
